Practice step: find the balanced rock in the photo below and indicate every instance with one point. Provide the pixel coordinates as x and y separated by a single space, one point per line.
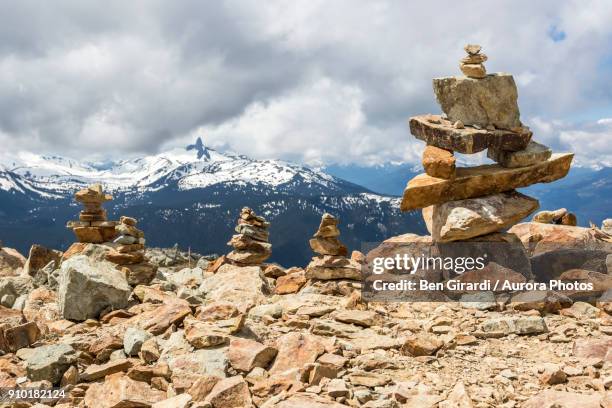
532 154
87 287
491 100
251 246
463 219
438 162
443 133
424 190
325 241
327 267
473 64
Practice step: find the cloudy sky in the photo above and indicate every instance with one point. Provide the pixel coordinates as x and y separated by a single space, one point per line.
317 82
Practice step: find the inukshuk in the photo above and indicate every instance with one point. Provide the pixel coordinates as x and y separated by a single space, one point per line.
251 246
123 242
93 226
331 261
480 112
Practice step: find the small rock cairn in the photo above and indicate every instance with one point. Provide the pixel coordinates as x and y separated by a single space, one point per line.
331 261
480 112
251 246
93 226
124 243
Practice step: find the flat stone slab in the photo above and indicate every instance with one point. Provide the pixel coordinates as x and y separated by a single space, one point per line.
423 190
439 132
532 154
492 100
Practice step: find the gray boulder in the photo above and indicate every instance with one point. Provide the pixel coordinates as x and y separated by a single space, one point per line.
87 287
49 362
133 340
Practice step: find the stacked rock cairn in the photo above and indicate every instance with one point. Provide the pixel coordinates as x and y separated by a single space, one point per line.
124 244
251 246
331 261
93 226
480 112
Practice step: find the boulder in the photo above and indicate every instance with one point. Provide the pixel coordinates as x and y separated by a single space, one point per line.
245 354
539 238
552 264
96 371
424 190
87 287
295 350
439 162
290 283
492 100
245 286
133 339
553 398
458 398
11 262
49 362
463 219
232 392
439 132
532 154
121 391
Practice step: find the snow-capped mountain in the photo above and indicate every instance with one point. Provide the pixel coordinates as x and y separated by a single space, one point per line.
191 196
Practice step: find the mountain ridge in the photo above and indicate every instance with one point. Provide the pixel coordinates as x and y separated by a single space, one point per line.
191 197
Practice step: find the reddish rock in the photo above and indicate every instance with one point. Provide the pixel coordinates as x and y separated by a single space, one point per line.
439 162
552 398
244 354
295 350
11 262
39 257
290 283
421 345
230 392
120 391
593 348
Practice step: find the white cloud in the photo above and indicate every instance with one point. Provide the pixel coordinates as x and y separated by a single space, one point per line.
315 81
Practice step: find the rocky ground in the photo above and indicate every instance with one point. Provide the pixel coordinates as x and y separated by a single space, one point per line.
208 333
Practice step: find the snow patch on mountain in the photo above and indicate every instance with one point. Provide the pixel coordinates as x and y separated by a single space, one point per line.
194 167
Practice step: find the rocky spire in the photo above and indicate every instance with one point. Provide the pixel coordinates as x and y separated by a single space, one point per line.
251 246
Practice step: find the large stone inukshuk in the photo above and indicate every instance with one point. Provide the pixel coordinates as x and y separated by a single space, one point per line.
93 226
251 246
331 261
480 112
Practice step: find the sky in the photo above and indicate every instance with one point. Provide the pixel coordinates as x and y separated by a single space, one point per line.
314 82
